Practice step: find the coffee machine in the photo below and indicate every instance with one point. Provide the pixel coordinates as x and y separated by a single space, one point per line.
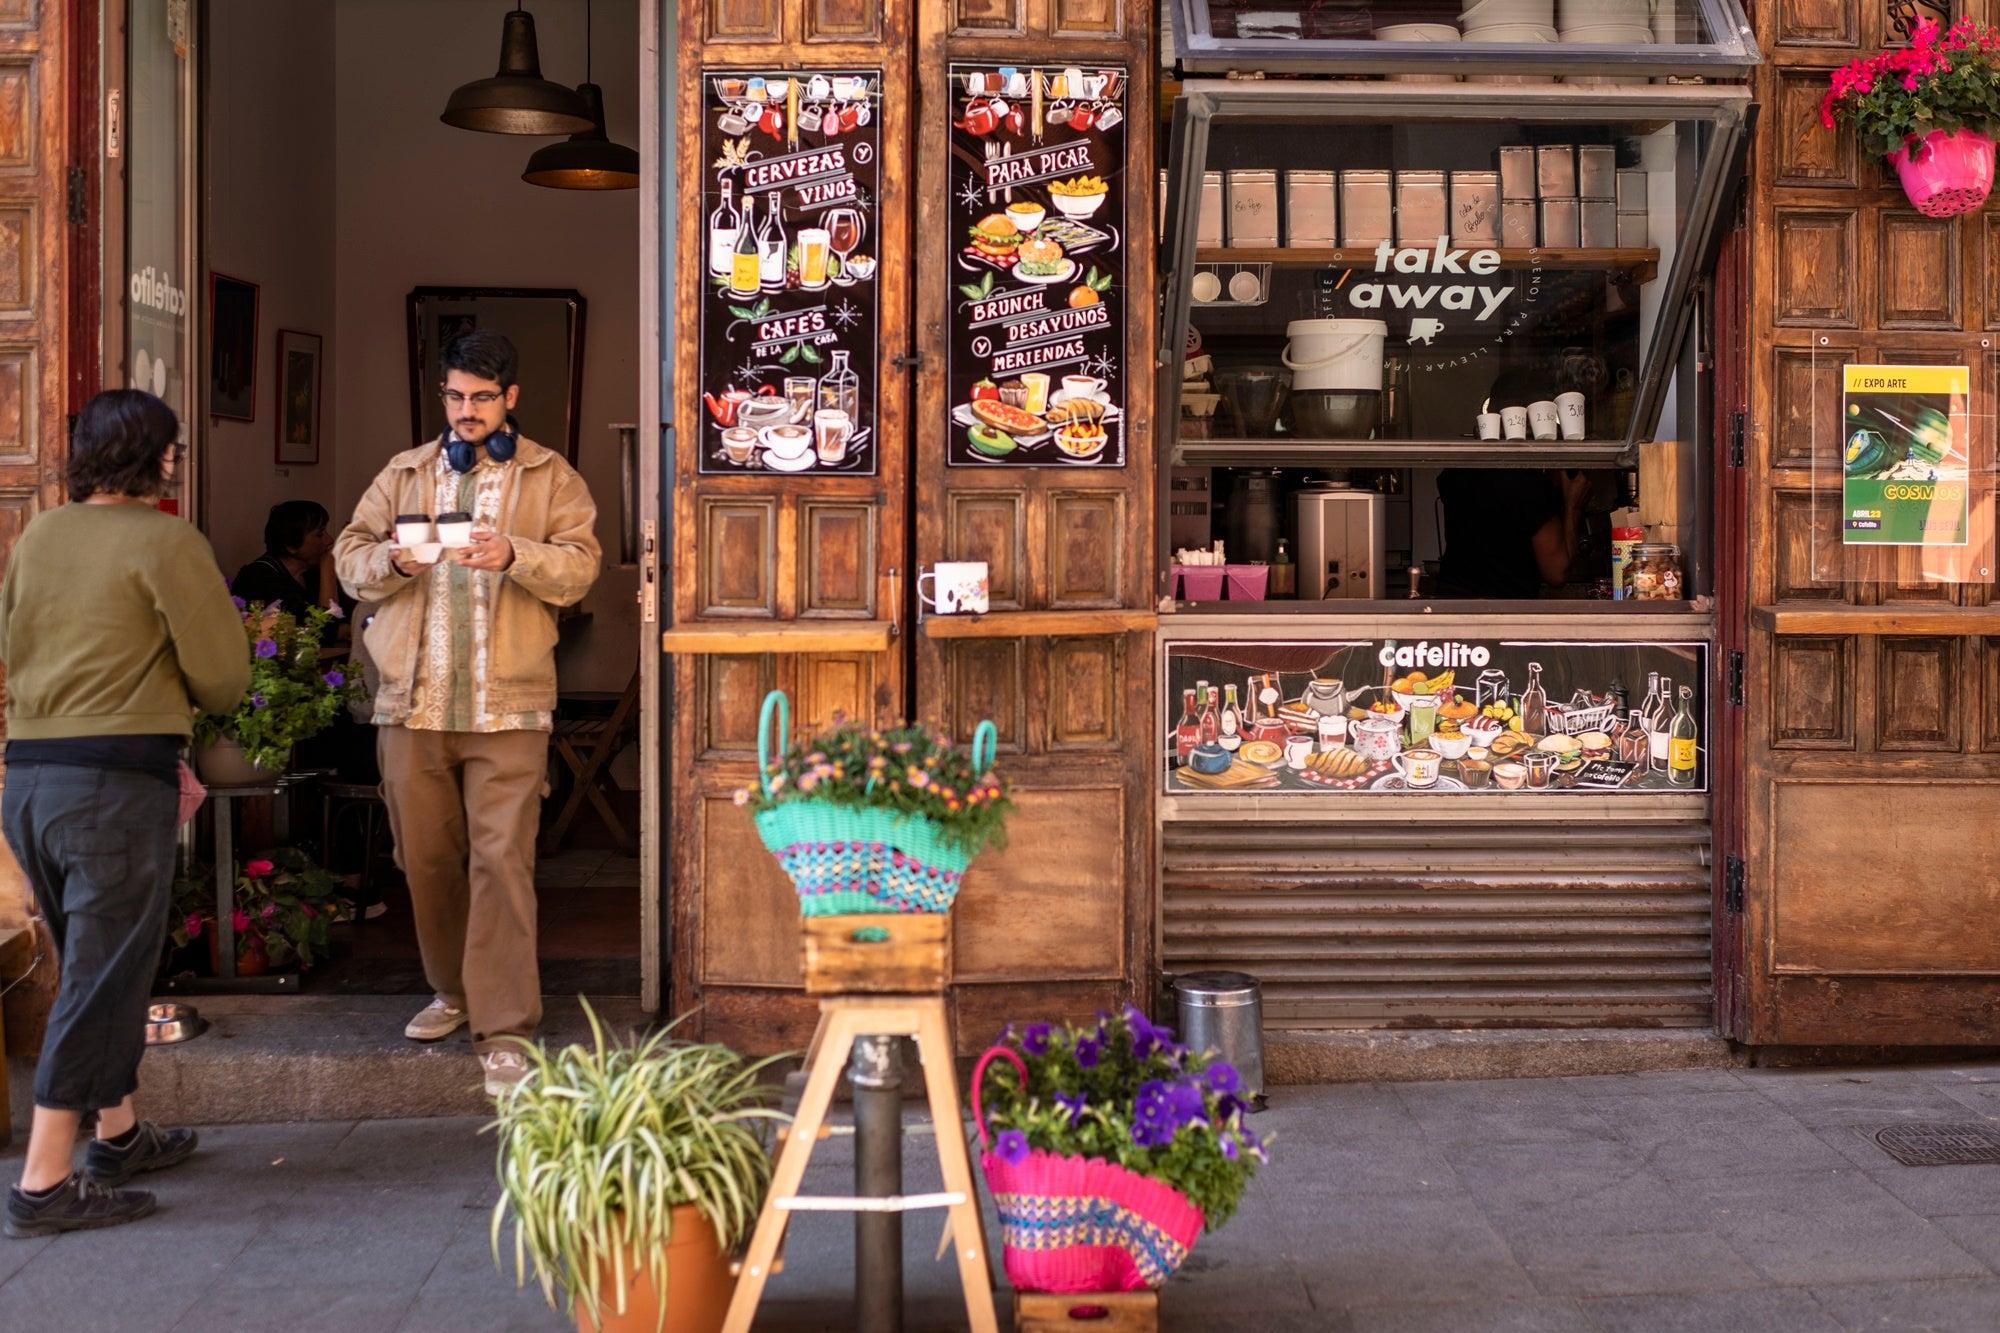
1340 541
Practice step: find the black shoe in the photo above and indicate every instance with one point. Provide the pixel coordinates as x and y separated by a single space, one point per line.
151 1149
78 1204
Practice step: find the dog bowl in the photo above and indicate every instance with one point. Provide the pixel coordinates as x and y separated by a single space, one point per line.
170 1023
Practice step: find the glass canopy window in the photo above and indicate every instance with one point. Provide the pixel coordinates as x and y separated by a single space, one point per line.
1483 254
1633 38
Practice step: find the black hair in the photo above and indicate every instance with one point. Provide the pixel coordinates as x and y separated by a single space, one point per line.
120 444
290 523
482 354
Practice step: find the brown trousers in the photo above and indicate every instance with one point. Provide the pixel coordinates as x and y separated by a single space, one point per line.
464 808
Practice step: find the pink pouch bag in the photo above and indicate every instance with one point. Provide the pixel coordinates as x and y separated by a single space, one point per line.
192 795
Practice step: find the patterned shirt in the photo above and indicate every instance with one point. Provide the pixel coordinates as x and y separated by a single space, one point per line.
450 687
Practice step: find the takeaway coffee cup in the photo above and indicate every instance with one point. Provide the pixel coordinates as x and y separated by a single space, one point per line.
1514 421
957 585
1544 420
454 530
1569 407
1489 425
412 530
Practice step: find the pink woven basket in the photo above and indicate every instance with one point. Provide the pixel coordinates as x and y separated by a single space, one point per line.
1072 1223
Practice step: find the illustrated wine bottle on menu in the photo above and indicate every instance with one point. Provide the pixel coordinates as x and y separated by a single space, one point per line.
1535 702
744 265
1659 723
1187 733
1211 722
723 224
771 244
1230 726
1683 742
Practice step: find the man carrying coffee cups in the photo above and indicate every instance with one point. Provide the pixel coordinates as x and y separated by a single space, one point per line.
463 639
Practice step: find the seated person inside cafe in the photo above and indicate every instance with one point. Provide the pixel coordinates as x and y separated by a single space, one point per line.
296 569
1510 532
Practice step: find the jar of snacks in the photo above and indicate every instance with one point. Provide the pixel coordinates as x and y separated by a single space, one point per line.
1656 572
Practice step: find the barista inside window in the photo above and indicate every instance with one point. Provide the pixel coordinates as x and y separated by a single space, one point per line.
1510 531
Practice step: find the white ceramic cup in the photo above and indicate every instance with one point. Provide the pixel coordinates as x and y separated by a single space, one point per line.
1206 286
414 530
454 530
1544 420
957 586
1419 767
1332 730
1081 386
1514 421
425 553
1298 750
1489 425
1569 407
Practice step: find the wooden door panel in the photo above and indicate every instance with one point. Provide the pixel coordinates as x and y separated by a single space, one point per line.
742 886
1816 23
1086 531
836 558
1988 652
1086 702
1918 695
989 683
746 21
1813 694
731 689
1817 282
989 18
843 21
1807 154
19 405
991 525
1919 272
1065 850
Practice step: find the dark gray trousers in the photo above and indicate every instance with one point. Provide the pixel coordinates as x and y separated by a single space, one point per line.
98 847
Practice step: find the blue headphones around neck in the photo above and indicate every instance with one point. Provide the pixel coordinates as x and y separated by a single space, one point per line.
500 446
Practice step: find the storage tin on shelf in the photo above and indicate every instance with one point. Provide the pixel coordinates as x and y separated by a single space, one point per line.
1475 208
1209 233
1560 226
1632 190
1365 211
1253 210
1518 226
1632 231
1597 225
1555 171
1311 217
1517 172
1421 212
1596 171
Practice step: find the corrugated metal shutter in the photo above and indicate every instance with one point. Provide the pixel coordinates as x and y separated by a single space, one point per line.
1413 926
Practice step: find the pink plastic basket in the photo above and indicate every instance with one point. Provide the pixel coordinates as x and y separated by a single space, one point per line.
1247 582
1080 1223
1200 583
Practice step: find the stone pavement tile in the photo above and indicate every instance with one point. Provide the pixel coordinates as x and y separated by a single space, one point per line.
1397 1252
1525 1316
1722 1153
15 1254
1943 1191
1605 1265
1766 1311
450 1153
1305 1116
1940 1307
257 1299
1393 1169
1680 1083
1871 1097
166 1269
1980 1098
1857 1144
1978 1235
1802 1228
1554 1200
381 1236
466 1290
1487 1112
1252 1281
1172 1320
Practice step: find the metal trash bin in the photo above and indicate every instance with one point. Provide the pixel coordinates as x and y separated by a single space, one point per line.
1224 1012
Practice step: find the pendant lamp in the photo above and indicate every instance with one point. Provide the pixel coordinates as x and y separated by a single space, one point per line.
588 160
517 100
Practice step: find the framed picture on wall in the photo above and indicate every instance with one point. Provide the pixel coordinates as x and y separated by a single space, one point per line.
298 396
232 348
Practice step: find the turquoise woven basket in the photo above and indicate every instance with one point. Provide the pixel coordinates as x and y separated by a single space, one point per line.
847 859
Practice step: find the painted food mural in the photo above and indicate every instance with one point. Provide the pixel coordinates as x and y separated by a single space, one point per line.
1038 266
790 313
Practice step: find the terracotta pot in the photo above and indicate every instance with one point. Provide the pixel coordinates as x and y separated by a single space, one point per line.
1946 173
224 764
252 958
699 1285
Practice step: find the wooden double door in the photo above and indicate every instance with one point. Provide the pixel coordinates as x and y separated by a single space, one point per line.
804 581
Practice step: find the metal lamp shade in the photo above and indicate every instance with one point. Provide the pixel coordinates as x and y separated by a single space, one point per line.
586 161
517 100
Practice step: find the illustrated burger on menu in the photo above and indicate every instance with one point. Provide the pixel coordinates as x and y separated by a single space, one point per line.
996 238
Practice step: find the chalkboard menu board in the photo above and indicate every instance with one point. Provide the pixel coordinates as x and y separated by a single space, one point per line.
789 312
1037 247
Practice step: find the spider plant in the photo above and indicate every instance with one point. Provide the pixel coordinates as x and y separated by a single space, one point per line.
603 1140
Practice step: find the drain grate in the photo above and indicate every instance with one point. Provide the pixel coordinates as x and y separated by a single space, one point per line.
1940 1145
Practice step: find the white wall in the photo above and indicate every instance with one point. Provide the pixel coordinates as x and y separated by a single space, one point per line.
382 197
270 221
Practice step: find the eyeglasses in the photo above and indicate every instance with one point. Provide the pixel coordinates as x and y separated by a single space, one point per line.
455 400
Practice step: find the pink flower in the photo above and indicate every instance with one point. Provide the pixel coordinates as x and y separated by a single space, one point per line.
194 926
917 777
1910 82
257 869
742 796
240 919
808 781
307 908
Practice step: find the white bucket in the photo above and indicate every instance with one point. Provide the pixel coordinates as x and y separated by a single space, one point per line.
1344 354
1417 32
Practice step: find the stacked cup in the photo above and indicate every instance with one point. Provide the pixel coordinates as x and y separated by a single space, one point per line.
1419 32
1509 21
1607 23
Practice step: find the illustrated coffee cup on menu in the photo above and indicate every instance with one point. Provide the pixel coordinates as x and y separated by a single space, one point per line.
454 530
413 530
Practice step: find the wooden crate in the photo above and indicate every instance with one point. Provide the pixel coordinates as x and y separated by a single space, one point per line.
878 953
1087 1312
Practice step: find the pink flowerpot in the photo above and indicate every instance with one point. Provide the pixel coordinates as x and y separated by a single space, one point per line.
1946 173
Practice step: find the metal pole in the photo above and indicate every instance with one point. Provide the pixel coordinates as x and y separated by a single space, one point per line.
876 1071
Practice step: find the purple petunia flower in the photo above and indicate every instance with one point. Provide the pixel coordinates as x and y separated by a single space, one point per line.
1229 1148
1011 1147
1035 1039
335 679
267 647
1145 1037
1088 1049
1073 1102
1223 1077
1185 1103
258 701
241 605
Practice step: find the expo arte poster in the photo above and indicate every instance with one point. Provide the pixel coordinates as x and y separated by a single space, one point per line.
1905 437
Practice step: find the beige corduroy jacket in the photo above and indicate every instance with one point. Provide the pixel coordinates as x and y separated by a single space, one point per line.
546 512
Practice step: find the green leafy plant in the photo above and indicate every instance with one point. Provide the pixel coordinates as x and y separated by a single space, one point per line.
601 1141
1125 1091
1938 82
907 770
292 695
286 903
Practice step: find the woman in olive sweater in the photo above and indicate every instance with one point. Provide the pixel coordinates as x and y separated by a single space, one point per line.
114 625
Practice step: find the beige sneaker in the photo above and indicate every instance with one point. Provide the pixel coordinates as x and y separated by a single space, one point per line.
436 1021
504 1071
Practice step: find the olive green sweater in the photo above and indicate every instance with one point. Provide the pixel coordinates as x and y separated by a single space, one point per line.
115 621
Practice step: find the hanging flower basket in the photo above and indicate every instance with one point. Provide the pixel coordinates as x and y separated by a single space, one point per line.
1946 173
847 857
1070 1223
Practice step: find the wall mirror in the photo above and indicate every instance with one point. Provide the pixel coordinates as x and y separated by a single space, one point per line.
546 326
